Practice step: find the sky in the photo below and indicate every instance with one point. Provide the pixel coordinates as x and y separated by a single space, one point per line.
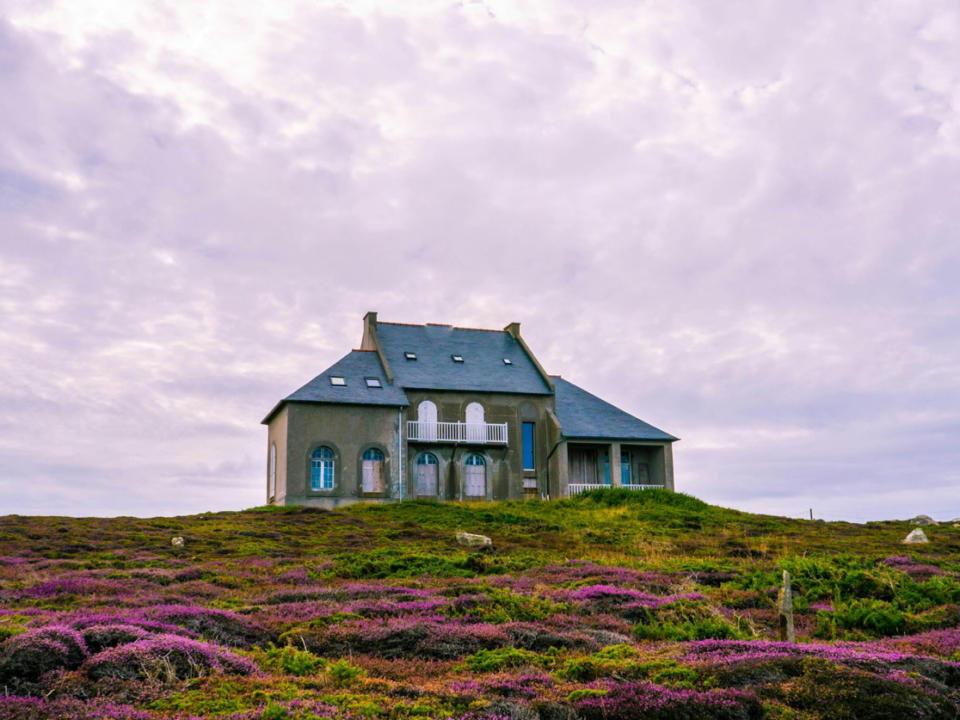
737 221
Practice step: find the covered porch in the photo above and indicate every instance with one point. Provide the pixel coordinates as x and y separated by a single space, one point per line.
640 466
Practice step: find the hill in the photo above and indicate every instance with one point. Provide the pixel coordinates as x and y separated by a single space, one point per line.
614 604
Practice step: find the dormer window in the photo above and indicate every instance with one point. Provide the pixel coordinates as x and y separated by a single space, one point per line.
410 355
457 358
507 361
373 382
338 381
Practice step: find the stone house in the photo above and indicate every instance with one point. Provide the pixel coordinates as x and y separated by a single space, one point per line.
448 413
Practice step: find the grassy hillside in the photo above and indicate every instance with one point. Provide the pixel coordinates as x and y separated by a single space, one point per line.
614 604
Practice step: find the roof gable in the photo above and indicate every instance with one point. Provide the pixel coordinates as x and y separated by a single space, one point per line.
583 415
483 351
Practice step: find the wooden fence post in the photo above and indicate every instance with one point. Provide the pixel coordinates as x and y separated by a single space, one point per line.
785 604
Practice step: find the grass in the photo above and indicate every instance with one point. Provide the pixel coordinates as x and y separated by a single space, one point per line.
613 599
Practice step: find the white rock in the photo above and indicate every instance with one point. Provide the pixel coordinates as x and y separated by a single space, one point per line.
923 520
916 536
473 540
177 542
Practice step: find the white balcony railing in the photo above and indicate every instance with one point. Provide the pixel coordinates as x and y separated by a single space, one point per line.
457 432
577 488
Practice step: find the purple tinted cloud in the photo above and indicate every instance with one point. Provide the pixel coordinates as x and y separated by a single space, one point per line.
736 221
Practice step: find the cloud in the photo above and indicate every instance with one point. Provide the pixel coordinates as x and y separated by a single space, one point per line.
735 221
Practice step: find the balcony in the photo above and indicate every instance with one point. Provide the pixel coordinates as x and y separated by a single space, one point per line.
457 432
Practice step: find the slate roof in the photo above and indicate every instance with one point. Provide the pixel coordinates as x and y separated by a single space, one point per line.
583 415
482 369
354 369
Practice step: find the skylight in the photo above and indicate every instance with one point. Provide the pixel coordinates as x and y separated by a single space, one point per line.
373 382
410 355
457 358
337 380
507 361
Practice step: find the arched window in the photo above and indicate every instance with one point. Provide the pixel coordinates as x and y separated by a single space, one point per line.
476 485
427 420
476 429
373 471
321 469
272 490
427 485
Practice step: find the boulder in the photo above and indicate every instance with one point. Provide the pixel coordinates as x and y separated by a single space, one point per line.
471 540
923 520
177 542
916 536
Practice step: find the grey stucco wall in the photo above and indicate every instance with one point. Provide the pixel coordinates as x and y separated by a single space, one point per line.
277 433
504 464
348 430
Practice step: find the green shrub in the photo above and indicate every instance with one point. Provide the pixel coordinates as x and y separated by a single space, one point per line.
712 628
623 662
859 618
344 673
502 658
585 693
618 497
503 606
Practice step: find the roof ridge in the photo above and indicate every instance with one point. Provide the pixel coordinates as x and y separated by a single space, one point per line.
455 327
363 350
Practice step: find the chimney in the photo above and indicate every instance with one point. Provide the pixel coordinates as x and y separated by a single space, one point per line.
369 341
514 330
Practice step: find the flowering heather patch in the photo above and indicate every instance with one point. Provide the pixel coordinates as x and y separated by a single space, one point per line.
940 643
221 626
626 701
101 637
918 571
21 708
81 620
30 655
166 657
431 638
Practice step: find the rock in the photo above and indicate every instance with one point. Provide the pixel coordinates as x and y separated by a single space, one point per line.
177 542
923 520
471 540
916 536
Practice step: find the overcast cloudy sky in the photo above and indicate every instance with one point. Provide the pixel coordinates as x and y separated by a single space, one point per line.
737 220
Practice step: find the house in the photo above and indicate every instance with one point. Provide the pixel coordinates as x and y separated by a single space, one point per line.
449 413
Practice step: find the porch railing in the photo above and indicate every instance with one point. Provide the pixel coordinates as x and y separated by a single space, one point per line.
577 488
457 432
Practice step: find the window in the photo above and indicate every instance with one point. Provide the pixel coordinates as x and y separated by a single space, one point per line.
338 381
476 485
426 421
410 355
321 469
624 468
373 382
272 490
507 361
476 427
373 471
427 485
457 358
528 455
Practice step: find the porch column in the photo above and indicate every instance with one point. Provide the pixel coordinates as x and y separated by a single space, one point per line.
614 454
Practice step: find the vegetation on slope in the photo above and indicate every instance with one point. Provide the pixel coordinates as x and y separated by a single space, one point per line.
611 604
